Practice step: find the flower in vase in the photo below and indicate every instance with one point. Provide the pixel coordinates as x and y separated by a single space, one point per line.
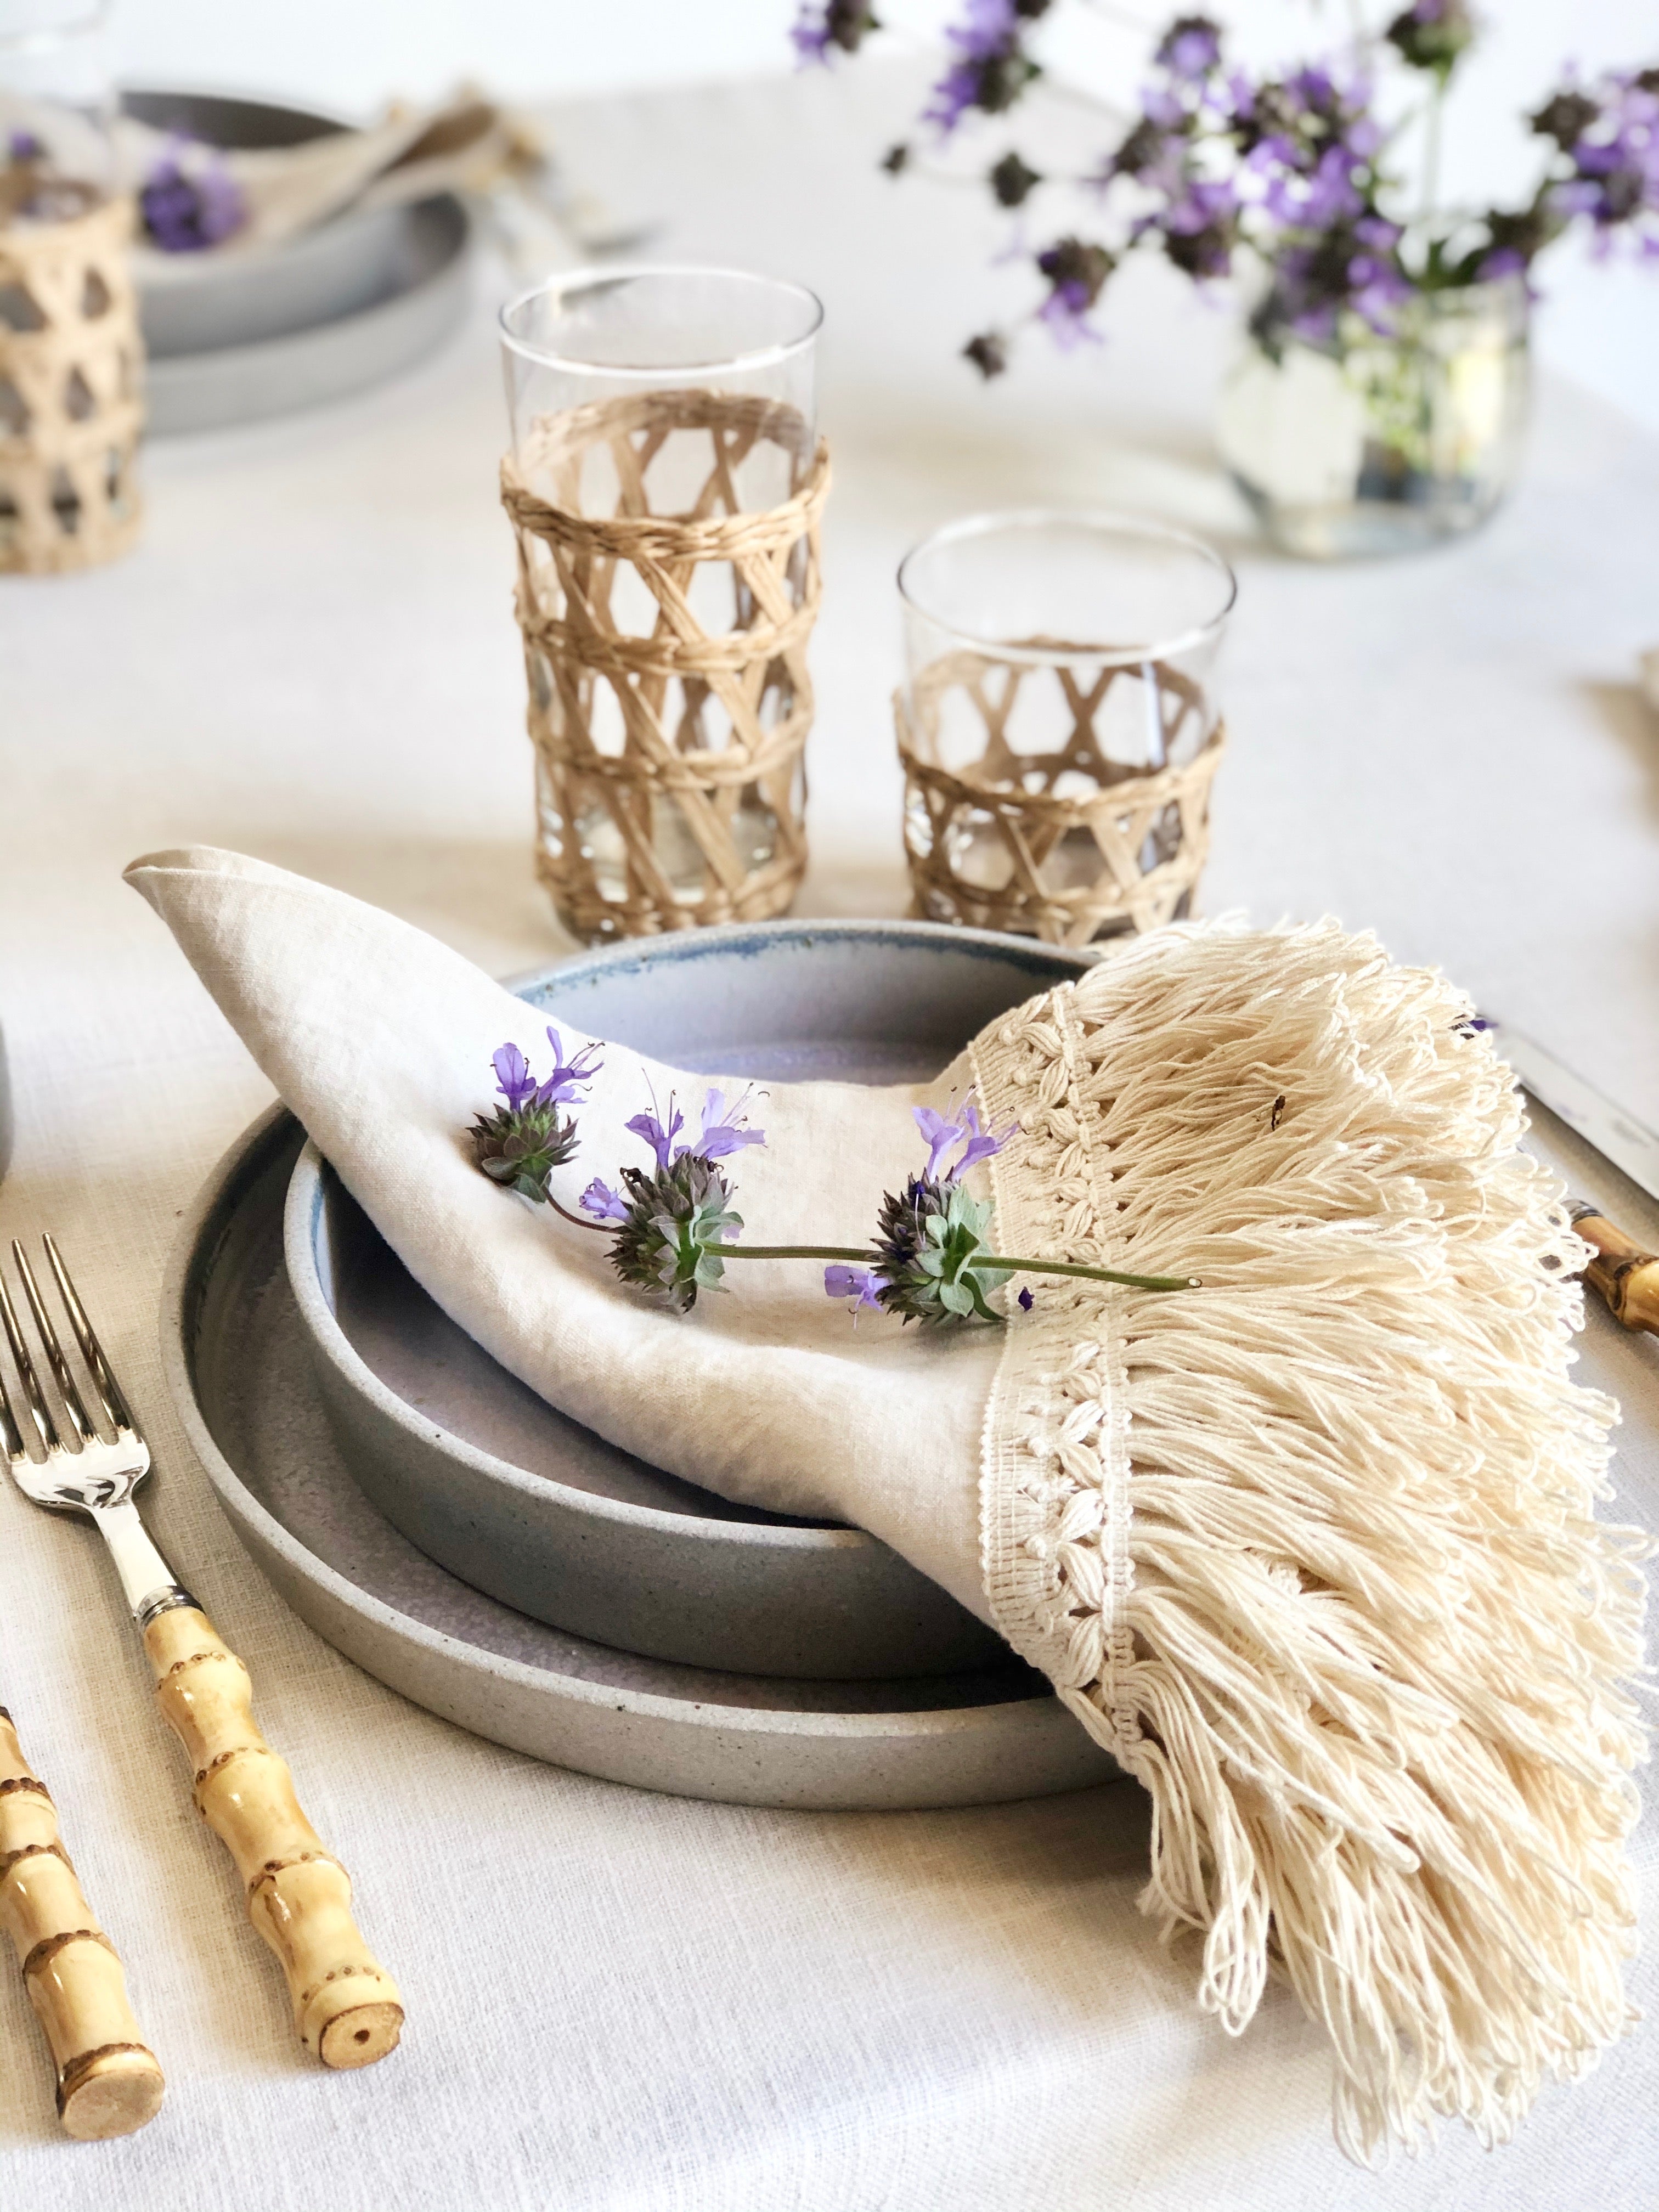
1615 163
1076 271
990 68
988 352
1190 49
1431 34
842 24
1013 180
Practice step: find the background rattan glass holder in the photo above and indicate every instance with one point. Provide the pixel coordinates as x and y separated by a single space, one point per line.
670 782
1066 845
70 376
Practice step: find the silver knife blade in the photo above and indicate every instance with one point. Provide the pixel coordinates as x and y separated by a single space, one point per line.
1617 1134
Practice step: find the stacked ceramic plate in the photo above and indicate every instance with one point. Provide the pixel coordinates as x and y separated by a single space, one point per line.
234 336
446 1528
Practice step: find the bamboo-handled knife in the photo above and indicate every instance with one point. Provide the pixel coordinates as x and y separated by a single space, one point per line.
1624 1274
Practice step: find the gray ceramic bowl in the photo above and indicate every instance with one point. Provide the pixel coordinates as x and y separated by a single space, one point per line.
522 1504
239 1366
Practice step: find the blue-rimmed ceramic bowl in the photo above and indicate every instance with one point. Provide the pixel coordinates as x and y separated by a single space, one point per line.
487 1479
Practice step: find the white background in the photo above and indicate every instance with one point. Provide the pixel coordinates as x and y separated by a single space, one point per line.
1602 324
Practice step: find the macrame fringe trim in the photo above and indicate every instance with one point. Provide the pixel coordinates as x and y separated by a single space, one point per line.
1312 1550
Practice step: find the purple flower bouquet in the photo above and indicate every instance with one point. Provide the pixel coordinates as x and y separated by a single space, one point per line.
1382 395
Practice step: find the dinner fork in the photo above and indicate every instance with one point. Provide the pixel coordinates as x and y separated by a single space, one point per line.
346 2008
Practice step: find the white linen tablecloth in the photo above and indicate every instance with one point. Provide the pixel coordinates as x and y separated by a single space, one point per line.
619 2000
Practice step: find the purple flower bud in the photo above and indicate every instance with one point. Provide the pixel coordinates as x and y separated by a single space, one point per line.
600 1199
860 1284
723 1132
978 1143
649 1129
513 1077
1025 1301
569 1076
982 1143
941 1134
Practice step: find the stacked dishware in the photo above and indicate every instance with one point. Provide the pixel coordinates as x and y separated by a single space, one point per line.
513 1571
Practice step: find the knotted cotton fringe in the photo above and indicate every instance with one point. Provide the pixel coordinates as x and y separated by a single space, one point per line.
1311 1549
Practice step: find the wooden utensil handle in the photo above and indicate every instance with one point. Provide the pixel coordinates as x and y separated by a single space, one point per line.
1625 1275
108 2082
346 2006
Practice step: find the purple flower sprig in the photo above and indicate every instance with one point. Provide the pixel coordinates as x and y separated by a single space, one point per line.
520 1143
673 1227
190 201
930 1261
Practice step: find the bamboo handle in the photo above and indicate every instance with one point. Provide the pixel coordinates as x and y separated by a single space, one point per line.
1625 1275
108 2083
346 2008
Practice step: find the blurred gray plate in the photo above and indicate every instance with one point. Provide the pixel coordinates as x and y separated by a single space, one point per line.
236 336
238 1366
518 1500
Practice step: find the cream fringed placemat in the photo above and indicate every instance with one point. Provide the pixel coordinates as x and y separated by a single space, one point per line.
1311 1548
1313 1553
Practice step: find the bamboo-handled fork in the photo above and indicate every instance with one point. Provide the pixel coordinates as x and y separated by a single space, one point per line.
109 2082
346 2006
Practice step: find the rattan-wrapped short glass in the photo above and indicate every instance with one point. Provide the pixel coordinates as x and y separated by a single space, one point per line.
1057 724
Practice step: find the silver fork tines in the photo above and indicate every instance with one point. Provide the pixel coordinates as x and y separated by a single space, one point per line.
84 1431
82 1470
85 1472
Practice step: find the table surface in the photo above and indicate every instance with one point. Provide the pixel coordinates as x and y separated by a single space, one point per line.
618 2000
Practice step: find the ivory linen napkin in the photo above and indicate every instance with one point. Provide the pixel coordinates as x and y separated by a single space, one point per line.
466 143
1311 1549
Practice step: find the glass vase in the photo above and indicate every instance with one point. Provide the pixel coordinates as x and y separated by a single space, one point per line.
1366 445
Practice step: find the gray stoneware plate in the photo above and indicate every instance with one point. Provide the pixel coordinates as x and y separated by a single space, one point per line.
487 1479
238 1366
235 338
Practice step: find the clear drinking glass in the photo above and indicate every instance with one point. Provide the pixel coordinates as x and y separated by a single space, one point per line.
57 110
584 354
1058 720
70 354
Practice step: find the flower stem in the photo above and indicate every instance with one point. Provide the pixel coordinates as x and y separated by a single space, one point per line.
599 1228
1094 1275
794 1252
980 1260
